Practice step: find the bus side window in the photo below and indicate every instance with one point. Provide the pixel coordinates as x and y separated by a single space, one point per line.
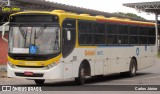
133 35
122 34
99 33
85 33
143 35
112 34
151 35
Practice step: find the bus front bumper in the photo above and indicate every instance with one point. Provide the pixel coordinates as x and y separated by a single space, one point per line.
54 73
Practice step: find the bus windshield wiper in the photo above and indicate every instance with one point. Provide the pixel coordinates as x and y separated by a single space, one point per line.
39 32
23 32
57 36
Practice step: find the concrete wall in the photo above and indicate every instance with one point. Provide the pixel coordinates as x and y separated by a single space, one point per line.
3 50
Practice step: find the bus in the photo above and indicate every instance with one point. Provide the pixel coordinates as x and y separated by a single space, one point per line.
63 45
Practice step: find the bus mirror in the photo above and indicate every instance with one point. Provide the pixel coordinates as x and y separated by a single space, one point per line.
68 35
3 31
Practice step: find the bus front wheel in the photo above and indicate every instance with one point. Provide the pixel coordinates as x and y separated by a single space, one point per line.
80 80
39 81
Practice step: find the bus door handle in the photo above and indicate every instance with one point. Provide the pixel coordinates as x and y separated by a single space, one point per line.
117 58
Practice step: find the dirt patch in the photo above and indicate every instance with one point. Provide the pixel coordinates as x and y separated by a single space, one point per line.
3 74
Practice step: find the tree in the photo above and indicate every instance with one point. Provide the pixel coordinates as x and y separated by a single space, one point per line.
130 15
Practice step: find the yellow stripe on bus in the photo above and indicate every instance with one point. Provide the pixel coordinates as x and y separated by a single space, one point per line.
34 63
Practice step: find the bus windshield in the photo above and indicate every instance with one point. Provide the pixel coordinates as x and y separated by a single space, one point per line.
34 40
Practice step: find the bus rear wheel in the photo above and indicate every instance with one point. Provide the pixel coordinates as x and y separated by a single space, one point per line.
132 69
80 80
39 81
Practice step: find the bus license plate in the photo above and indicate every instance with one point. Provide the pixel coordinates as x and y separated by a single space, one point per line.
28 73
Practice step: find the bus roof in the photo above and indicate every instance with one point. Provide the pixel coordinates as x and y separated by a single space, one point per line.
98 18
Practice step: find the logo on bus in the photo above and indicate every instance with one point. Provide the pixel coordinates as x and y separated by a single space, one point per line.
32 49
89 52
99 52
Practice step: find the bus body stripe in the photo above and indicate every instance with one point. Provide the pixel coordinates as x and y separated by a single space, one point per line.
125 22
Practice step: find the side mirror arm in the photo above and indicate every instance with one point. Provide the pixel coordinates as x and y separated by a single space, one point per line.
3 31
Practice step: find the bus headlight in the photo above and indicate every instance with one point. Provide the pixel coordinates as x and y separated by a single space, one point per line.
11 65
50 65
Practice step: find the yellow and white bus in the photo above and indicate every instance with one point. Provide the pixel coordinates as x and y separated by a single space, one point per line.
62 45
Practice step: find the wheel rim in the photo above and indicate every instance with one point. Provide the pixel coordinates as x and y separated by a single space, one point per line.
82 73
133 68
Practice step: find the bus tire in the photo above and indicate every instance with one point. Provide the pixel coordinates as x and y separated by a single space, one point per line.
132 69
80 80
39 81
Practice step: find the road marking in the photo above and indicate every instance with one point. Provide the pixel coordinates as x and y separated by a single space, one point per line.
151 77
143 78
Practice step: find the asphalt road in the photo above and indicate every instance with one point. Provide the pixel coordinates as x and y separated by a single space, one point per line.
149 76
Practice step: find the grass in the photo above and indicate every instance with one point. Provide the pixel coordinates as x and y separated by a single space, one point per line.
158 54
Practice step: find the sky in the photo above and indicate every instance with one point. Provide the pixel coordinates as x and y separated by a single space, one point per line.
110 6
